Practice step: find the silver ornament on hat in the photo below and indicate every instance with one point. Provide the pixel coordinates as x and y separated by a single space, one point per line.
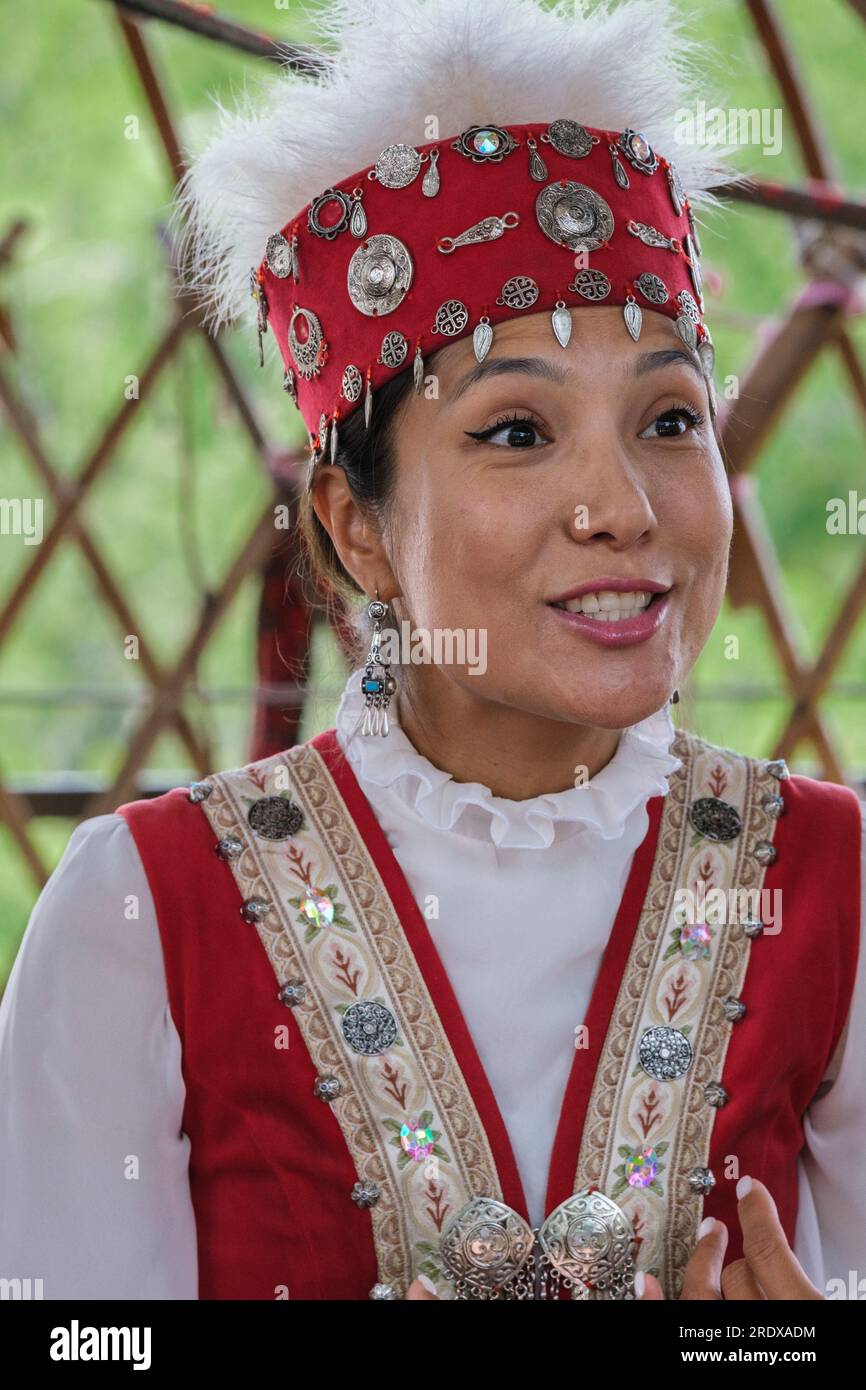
309 354
352 383
694 264
591 284
619 172
488 229
482 338
537 166
487 144
573 215
278 254
518 292
451 318
707 353
687 331
329 230
694 230
652 287
430 182
638 151
650 236
569 138
379 275
689 306
560 321
676 190
396 166
418 370
631 312
393 351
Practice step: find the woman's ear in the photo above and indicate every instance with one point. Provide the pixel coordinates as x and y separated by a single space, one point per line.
357 539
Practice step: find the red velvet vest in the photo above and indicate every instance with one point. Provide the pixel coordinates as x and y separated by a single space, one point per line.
278 1171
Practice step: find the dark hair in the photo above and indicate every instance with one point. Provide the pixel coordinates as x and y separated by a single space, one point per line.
366 456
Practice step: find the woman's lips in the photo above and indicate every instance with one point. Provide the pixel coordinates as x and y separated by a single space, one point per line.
625 633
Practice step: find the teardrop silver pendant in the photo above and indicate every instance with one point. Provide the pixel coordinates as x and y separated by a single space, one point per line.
687 331
333 439
293 251
358 220
619 172
633 317
482 338
537 166
418 370
430 182
561 321
368 403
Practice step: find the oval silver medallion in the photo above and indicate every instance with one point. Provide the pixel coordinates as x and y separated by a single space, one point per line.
665 1053
278 254
573 215
653 288
275 817
638 151
397 166
306 354
352 383
393 350
591 284
569 138
380 273
689 306
368 1027
486 144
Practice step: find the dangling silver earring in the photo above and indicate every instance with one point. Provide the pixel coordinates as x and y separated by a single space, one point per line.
377 683
675 698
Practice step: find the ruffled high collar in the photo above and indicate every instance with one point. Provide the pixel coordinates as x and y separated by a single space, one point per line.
638 770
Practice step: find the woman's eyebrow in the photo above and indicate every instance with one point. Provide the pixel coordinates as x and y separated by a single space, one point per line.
500 366
663 357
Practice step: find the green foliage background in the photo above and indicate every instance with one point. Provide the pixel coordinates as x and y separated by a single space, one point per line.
89 297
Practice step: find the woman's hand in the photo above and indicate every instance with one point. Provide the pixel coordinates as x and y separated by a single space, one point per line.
417 1289
768 1269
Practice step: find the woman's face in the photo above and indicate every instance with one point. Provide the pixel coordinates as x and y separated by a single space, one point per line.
544 477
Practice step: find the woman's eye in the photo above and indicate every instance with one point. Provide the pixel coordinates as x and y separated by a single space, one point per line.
515 433
676 421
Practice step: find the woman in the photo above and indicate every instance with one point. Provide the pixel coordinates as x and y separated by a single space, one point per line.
525 996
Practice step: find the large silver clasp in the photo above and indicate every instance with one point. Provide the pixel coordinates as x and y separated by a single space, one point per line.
585 1245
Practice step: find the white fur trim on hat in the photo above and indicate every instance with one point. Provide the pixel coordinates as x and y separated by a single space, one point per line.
394 64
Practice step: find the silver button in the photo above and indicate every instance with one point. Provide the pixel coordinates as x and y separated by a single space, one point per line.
665 1053
764 852
701 1180
255 909
366 1194
327 1087
715 1094
734 1008
229 847
292 993
200 791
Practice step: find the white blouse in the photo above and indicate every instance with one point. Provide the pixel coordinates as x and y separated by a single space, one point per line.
520 899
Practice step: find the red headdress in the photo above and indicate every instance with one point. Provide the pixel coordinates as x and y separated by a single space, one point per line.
394 255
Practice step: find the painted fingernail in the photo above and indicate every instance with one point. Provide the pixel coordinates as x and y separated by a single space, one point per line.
427 1283
705 1227
744 1187
639 1284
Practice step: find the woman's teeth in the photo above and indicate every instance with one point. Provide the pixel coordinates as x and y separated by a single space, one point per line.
608 606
